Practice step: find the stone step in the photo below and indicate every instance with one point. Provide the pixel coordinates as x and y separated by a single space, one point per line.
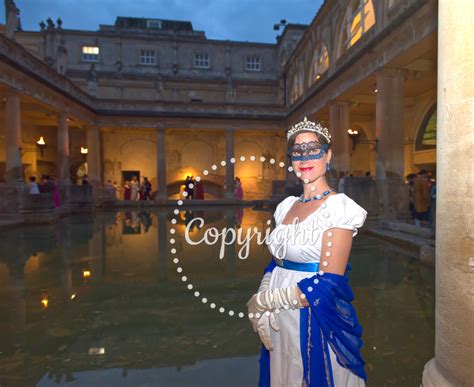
404 238
407 228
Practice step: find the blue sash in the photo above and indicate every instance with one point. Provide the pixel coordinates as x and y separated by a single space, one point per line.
298 266
330 320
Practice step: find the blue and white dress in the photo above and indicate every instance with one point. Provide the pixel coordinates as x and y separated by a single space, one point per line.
286 361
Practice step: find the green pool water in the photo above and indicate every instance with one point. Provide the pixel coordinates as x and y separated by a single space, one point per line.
97 300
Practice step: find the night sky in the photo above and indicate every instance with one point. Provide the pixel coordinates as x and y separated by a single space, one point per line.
244 20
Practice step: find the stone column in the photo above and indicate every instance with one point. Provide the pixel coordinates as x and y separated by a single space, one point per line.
454 342
13 170
63 149
339 123
94 167
229 167
389 129
162 192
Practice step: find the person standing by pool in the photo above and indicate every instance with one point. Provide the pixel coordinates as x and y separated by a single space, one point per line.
32 186
421 198
238 191
302 310
134 188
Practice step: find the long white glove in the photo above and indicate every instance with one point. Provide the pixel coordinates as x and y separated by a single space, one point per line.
270 300
262 325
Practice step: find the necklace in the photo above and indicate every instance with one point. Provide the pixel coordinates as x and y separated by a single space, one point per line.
317 197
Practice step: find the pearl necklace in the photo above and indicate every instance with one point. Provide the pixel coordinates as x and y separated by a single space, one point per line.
317 197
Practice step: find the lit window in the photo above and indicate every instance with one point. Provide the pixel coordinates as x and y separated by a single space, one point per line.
253 63
147 57
90 54
359 18
296 86
154 24
320 62
201 60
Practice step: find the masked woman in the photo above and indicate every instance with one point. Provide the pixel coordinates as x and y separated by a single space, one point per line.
302 310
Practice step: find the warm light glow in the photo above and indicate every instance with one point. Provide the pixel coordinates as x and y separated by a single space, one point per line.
376 90
84 151
90 50
44 301
41 141
86 273
73 296
318 76
352 132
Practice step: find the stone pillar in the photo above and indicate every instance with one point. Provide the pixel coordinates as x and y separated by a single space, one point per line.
13 170
94 167
63 149
389 130
229 167
339 123
454 342
162 192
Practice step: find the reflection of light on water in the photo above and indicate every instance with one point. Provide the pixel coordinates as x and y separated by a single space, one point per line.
96 351
86 273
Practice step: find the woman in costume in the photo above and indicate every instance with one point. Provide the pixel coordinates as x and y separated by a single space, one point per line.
302 310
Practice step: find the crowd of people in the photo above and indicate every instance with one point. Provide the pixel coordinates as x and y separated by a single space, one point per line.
134 190
47 184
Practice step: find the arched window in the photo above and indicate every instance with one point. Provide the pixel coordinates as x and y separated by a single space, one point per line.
359 18
426 138
296 86
319 63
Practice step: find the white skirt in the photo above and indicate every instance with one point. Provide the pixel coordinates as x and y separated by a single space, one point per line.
286 363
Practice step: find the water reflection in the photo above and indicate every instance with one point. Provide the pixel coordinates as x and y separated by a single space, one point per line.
98 300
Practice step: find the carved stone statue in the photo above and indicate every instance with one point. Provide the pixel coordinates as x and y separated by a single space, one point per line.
12 17
92 80
50 24
61 58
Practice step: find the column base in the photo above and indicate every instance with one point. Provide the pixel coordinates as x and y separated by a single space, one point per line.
161 198
432 377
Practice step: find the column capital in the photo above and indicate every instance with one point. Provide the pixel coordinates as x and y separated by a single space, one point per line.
390 72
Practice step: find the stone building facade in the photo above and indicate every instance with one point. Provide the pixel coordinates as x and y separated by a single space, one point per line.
367 66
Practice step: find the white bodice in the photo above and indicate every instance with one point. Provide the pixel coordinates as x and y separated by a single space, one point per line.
301 242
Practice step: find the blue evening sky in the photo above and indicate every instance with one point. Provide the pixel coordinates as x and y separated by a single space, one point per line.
245 20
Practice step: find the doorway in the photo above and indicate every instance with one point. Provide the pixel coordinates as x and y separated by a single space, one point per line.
127 175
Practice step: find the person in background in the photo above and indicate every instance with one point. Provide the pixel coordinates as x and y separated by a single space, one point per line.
127 191
421 198
238 191
146 189
117 189
199 190
432 217
134 187
33 188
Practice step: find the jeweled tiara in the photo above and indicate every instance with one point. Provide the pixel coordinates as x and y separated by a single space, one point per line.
311 126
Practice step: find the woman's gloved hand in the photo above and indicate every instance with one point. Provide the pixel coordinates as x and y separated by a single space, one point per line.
276 299
262 324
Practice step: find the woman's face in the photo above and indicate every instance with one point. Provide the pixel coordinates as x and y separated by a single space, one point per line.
314 168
